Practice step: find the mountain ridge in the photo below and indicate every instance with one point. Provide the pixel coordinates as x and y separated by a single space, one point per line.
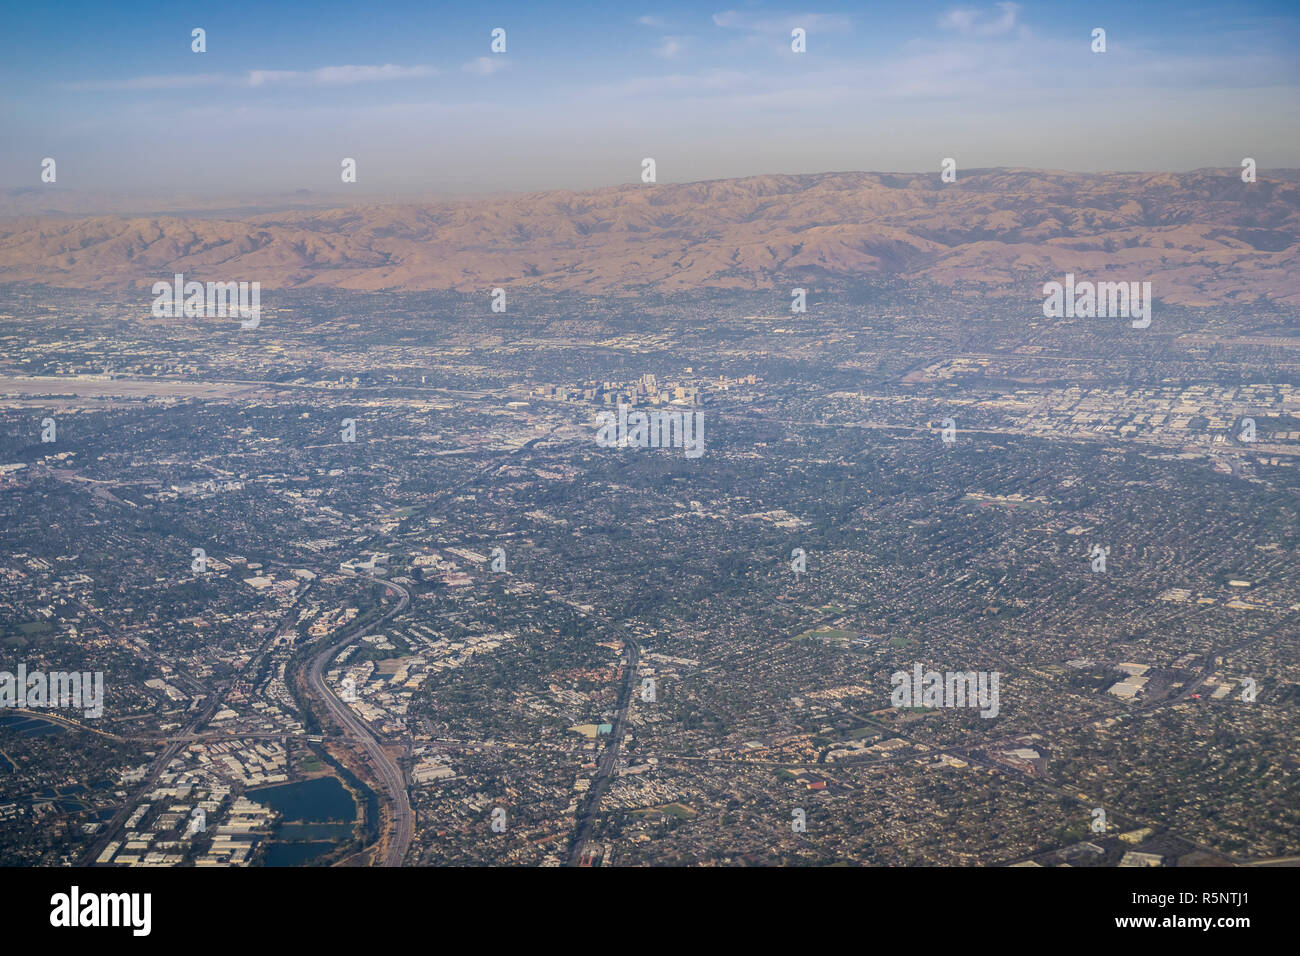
1202 237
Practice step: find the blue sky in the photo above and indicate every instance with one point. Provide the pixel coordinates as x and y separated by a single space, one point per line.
585 90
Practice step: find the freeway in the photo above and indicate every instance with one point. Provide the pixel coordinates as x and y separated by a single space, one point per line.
390 775
608 760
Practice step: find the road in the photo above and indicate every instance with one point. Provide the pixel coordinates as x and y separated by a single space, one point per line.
608 760
390 775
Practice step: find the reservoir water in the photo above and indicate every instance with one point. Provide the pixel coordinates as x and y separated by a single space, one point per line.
315 817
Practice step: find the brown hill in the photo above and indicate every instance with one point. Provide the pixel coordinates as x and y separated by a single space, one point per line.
1201 238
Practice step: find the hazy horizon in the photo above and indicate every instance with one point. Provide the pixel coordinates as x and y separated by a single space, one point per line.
576 101
55 200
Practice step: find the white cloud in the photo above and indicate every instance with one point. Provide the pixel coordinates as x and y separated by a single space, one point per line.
339 75
670 47
486 65
974 22
648 21
323 76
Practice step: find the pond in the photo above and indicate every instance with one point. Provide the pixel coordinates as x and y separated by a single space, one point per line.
315 817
